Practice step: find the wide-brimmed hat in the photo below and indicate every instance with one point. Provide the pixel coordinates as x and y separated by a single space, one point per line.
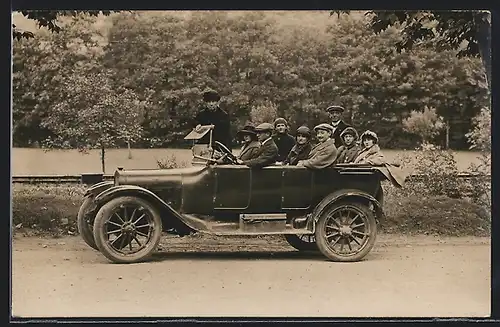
335 108
280 121
264 127
210 95
325 127
349 131
247 130
369 134
303 130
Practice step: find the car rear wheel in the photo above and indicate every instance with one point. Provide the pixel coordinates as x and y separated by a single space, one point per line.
84 224
127 229
302 242
346 232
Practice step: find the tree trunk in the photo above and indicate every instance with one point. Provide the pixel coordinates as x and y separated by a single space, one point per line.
102 160
483 34
129 151
447 137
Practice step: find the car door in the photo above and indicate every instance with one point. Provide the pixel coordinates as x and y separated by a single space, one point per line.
232 187
297 187
265 194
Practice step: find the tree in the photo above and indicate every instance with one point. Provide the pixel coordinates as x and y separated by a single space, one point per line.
426 124
48 19
468 32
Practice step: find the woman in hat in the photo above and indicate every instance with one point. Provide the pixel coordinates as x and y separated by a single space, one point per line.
251 144
350 148
324 153
370 154
302 147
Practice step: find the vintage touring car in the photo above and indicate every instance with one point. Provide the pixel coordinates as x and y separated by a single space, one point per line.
334 210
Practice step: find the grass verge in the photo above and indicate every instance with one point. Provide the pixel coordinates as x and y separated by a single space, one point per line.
52 210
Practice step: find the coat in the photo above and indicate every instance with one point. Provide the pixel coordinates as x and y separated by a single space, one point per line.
338 130
322 155
347 153
285 143
371 155
249 151
222 130
298 152
266 155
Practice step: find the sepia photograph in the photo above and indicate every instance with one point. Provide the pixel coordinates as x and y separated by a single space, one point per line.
273 163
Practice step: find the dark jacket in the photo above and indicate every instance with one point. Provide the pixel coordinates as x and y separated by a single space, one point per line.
222 129
298 152
285 143
266 155
336 134
249 151
347 154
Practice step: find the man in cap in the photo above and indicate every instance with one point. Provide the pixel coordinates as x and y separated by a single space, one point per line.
268 151
212 114
283 140
324 153
337 123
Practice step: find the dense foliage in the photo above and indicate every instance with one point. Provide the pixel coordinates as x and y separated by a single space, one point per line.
156 65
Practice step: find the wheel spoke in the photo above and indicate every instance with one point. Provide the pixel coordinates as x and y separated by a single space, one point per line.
113 241
358 225
349 244
138 219
142 226
333 227
135 238
142 234
132 215
354 219
125 214
130 245
331 235
336 241
355 231
113 223
122 243
341 245
113 231
355 240
116 213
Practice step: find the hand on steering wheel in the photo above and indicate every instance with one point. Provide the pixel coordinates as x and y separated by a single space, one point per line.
226 152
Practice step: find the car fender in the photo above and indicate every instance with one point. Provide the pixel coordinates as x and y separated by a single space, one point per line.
347 194
98 188
132 190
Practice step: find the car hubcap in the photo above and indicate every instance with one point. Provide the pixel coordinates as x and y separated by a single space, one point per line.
129 229
346 231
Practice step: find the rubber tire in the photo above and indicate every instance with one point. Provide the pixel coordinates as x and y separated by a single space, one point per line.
100 236
322 243
84 228
297 243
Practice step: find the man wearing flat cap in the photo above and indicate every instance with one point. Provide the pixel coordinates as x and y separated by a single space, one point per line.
212 114
324 153
268 151
335 112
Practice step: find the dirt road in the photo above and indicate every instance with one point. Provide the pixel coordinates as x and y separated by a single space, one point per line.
204 276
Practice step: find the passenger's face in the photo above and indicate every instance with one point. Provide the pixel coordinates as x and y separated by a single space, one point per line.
348 139
301 139
263 136
281 128
335 115
247 138
212 105
322 135
367 142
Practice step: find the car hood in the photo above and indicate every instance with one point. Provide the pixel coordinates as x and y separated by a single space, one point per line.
145 177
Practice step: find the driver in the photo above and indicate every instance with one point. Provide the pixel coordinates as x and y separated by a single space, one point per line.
250 147
267 152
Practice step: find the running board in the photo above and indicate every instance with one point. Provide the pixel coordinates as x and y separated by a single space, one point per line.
271 224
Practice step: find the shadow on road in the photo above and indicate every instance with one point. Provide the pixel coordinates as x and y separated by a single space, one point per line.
239 255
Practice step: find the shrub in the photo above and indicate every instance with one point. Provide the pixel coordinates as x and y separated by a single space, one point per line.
263 113
170 161
426 124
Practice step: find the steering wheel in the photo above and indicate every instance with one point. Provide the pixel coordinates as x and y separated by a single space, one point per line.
227 153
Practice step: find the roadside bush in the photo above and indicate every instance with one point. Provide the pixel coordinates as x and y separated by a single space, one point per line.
171 161
46 208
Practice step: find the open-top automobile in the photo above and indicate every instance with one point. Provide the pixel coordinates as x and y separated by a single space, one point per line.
335 210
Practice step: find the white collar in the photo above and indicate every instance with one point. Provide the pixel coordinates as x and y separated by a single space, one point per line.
335 124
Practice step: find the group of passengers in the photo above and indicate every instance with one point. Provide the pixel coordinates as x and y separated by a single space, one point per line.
336 143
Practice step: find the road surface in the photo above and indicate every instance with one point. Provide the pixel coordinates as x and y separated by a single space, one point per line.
201 276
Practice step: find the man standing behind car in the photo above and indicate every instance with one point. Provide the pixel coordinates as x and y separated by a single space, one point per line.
268 151
283 140
212 114
337 123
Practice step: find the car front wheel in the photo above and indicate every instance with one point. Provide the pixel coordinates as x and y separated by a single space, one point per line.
127 229
85 225
346 232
